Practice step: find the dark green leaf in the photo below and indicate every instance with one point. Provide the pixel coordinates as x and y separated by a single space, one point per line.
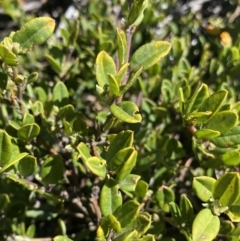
52 169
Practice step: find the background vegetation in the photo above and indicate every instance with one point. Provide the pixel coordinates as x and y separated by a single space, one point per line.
80 162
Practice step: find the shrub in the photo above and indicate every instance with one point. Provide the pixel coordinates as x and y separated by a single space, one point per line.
110 134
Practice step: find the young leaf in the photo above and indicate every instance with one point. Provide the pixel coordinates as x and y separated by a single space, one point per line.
97 166
61 238
28 132
35 31
141 189
186 208
121 73
226 189
203 187
148 237
60 94
197 99
176 213
115 224
104 66
222 121
131 80
110 197
231 158
122 46
149 54
7 56
206 134
136 13
5 148
113 86
164 195
205 226
52 169
126 111
127 167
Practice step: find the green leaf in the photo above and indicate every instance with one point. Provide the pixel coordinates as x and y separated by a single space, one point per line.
126 111
136 13
203 187
149 54
61 238
134 76
104 66
186 209
122 140
197 99
226 189
121 73
97 166
4 201
127 212
127 167
122 46
27 166
176 213
54 63
231 138
131 236
231 158
197 117
7 56
28 132
143 222
28 119
30 233
115 224
5 148
119 158
141 189
222 121
129 183
205 226
84 152
214 102
60 94
110 197
52 169
164 195
148 237
206 134
35 31
13 161
113 86
233 212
